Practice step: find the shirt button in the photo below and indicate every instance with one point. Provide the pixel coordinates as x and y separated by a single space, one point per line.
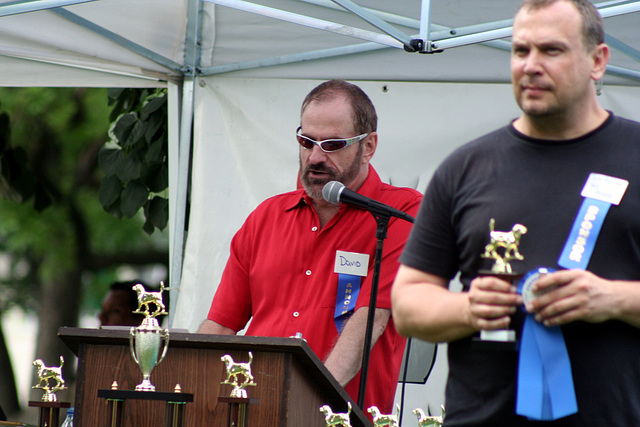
308 272
296 314
314 228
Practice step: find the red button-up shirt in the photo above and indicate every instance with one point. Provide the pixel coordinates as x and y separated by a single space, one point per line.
281 273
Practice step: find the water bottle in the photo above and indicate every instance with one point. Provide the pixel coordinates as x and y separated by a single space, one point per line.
68 422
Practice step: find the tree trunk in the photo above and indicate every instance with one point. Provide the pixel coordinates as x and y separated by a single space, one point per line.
59 306
8 391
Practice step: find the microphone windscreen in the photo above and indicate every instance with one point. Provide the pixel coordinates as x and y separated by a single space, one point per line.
331 191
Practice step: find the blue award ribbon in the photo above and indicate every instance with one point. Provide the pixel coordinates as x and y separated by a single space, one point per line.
584 234
348 290
545 383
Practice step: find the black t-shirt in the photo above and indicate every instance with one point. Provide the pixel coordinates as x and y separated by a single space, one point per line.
515 179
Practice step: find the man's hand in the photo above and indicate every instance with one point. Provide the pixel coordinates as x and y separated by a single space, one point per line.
491 303
570 295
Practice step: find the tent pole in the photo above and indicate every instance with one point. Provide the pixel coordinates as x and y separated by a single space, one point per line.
425 24
177 238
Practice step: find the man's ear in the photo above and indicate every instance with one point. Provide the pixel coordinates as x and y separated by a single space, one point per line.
370 143
600 57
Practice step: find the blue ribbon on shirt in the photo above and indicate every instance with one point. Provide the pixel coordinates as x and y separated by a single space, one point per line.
545 383
348 290
584 233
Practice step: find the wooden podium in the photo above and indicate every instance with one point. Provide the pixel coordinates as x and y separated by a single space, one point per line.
291 381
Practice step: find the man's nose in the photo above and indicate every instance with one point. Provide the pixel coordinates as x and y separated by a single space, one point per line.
317 155
532 63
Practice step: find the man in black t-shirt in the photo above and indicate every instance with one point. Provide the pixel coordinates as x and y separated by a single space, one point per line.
534 172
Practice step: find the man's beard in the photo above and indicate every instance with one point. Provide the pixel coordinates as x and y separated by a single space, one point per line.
313 186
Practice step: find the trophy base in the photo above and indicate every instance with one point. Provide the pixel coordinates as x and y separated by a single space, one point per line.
145 386
497 340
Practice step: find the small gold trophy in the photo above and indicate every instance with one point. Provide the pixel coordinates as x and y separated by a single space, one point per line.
235 369
503 248
336 418
46 373
425 420
146 340
380 420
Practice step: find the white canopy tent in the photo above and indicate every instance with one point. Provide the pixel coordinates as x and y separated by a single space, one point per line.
237 72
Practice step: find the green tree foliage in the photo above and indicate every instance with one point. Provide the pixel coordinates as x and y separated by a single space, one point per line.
56 240
135 162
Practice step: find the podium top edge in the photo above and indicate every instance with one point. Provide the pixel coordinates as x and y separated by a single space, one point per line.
73 337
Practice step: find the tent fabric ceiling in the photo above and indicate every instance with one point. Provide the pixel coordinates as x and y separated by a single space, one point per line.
46 37
228 37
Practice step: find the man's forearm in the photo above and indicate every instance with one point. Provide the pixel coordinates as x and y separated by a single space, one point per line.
214 328
345 359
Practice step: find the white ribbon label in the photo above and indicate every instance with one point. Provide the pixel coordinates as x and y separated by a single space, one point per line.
605 188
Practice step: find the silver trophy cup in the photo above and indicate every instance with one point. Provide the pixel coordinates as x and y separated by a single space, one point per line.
145 343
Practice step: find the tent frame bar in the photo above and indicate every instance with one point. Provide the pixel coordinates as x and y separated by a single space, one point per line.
488 33
20 7
307 21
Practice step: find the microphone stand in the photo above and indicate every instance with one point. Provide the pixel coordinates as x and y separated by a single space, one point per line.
382 219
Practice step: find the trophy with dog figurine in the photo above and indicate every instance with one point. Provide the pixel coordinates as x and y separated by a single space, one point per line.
503 247
147 340
46 374
50 380
239 376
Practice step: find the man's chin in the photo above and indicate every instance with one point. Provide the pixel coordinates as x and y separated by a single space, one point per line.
314 187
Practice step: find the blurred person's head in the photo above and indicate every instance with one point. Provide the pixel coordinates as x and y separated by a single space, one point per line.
119 304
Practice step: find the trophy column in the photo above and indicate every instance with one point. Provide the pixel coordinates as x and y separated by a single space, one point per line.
49 412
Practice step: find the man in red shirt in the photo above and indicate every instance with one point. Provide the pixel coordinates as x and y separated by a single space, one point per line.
300 264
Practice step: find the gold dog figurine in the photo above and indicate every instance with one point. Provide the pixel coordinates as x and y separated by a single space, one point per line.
235 369
45 374
334 419
146 298
507 240
380 419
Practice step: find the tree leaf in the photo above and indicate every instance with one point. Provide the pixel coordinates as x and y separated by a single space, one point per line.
158 178
130 167
152 105
158 212
136 135
156 152
110 189
154 125
133 197
124 126
110 160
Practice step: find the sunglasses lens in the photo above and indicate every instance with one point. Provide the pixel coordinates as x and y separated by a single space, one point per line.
305 142
334 144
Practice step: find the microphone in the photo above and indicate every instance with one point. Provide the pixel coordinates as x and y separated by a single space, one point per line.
336 192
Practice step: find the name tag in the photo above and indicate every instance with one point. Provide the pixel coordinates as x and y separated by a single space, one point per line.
351 263
605 188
